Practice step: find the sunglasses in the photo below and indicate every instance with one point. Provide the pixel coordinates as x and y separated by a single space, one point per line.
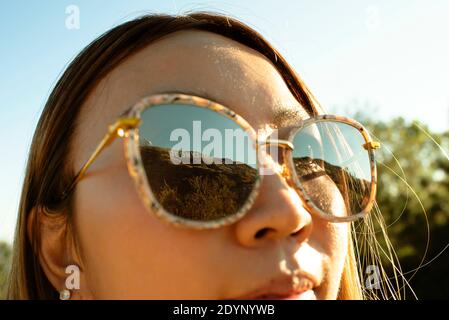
197 163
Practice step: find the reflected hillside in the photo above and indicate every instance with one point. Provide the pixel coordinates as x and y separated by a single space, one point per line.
197 191
355 191
211 191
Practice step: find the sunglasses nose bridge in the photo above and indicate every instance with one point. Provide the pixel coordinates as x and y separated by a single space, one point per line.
284 146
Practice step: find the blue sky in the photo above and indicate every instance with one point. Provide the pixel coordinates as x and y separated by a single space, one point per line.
387 57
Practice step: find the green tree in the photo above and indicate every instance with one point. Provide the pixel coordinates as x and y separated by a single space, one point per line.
5 261
413 196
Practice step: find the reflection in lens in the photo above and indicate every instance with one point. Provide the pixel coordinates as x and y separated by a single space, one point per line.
199 164
330 161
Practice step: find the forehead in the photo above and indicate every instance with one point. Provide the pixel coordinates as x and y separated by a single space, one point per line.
194 62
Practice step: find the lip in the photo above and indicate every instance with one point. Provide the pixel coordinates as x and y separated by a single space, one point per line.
299 287
304 295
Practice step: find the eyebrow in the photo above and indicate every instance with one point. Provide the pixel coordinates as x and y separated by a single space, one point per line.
282 116
286 116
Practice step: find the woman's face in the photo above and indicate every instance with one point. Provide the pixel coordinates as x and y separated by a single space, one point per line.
129 253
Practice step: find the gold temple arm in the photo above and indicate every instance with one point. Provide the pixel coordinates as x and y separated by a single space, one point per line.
371 145
115 130
288 145
279 142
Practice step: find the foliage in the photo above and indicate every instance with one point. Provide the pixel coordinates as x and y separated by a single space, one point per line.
5 260
413 194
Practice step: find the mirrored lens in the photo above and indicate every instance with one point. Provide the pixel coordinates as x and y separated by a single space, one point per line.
333 167
200 164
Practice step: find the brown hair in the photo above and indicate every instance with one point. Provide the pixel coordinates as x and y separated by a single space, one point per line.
49 169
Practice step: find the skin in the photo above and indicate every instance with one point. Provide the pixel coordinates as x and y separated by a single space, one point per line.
126 252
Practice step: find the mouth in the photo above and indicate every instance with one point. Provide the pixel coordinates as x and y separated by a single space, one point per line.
305 295
296 289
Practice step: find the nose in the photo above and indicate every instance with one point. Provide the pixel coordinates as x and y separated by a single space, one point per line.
278 212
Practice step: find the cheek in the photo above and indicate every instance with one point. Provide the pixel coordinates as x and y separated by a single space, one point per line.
331 237
326 195
332 240
130 253
105 214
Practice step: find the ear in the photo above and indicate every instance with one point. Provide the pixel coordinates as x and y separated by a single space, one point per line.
57 252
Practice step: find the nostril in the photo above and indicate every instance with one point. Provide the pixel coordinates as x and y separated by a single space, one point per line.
262 232
296 233
302 233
